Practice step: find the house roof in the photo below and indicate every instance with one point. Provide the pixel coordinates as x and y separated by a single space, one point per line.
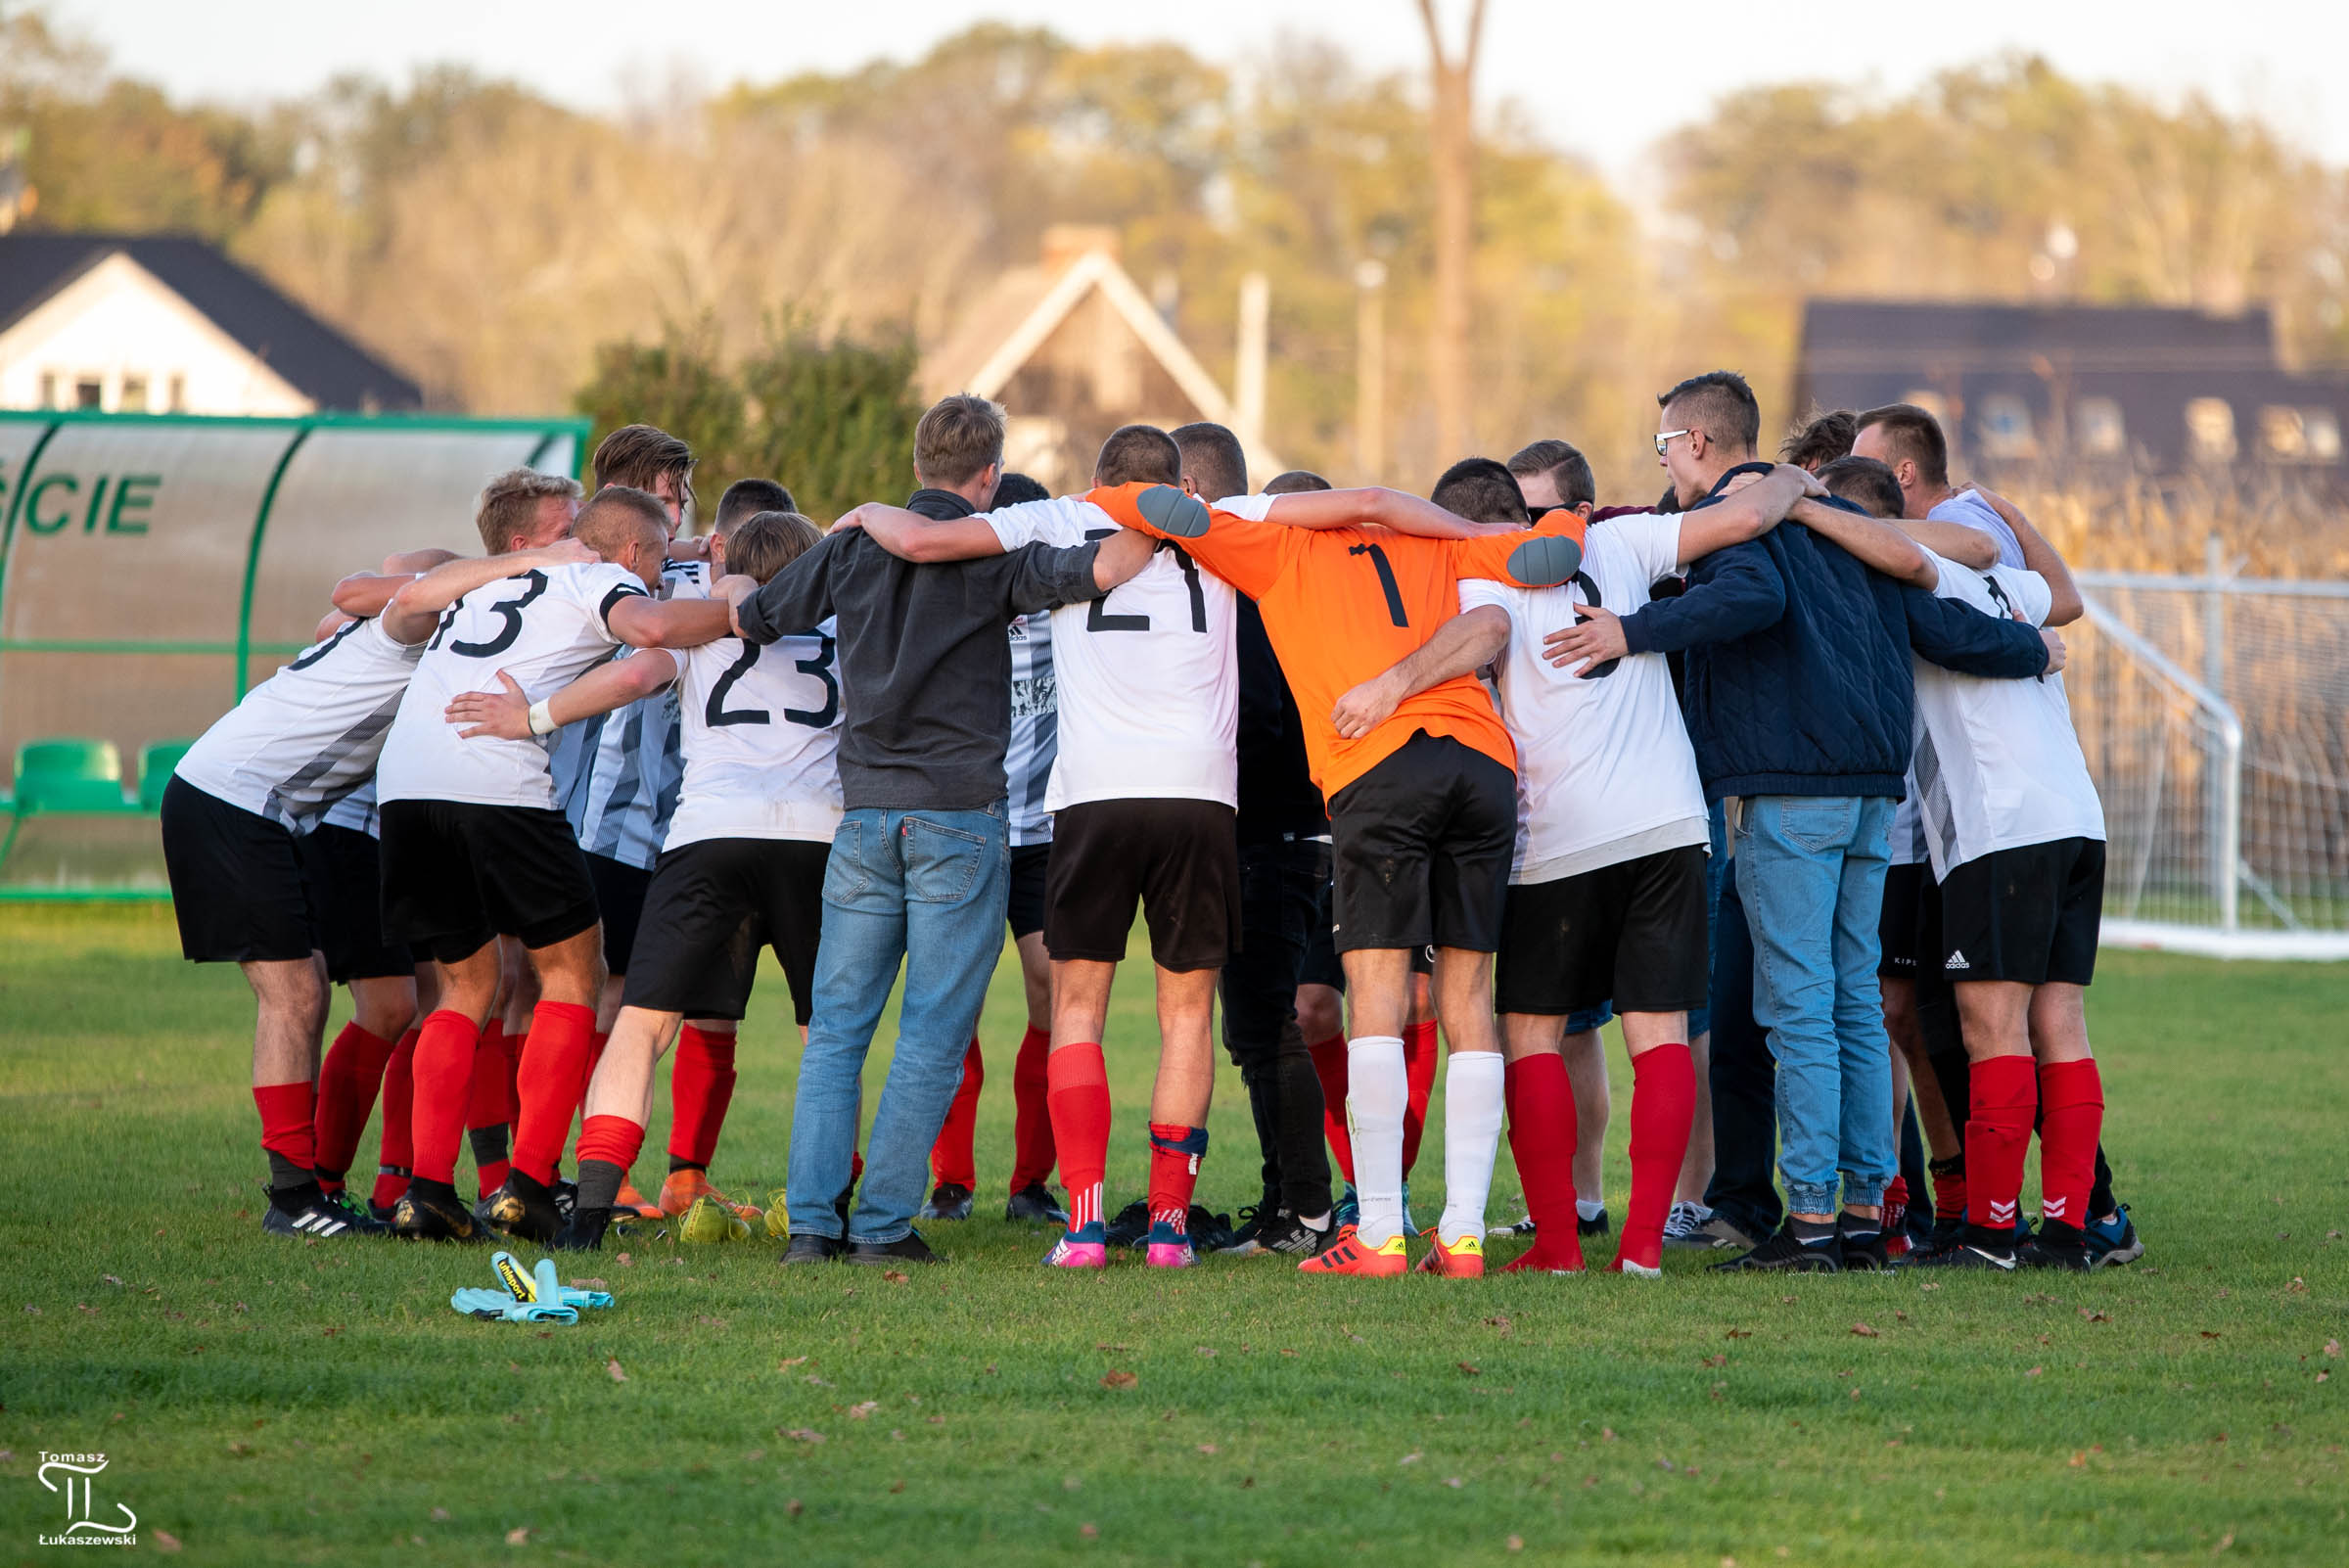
1892 334
319 362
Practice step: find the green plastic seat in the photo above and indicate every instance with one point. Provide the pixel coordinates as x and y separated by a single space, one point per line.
68 774
156 759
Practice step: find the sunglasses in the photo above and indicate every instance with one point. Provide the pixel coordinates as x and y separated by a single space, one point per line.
1664 438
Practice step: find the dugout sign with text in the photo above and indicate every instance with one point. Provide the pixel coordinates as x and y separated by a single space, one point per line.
152 567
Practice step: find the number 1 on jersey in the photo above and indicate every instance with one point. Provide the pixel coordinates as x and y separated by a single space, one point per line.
1386 580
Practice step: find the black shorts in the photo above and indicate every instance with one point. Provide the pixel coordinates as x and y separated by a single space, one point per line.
1422 848
1900 927
620 889
1179 858
457 875
236 880
1321 966
1025 908
712 905
1633 931
2030 914
342 869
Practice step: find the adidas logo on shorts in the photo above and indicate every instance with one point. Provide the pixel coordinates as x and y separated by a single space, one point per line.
1956 961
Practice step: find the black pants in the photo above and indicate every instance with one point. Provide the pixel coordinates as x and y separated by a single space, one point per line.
1744 1076
1284 891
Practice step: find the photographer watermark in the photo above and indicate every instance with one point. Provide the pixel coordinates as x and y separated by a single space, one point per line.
74 1474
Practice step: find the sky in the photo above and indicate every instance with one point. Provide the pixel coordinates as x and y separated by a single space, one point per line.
1603 81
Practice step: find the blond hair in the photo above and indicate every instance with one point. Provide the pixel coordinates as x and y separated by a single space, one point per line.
508 507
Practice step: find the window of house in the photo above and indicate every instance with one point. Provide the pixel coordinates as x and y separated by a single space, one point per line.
1932 402
89 392
2210 430
2006 426
134 395
2321 429
179 395
48 398
2098 427
2281 435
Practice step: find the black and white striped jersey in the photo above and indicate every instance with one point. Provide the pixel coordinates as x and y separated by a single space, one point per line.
619 782
1034 727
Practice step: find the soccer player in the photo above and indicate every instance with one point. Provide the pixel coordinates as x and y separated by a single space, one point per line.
474 846
619 780
1028 767
742 864
1143 792
916 873
1422 804
1908 441
262 775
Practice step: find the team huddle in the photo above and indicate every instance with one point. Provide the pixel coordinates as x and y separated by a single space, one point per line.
1779 771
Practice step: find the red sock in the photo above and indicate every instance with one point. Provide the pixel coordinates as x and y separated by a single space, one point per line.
1176 1151
1032 1153
514 1046
1998 1134
1948 1188
1663 1113
443 1066
488 1121
616 1138
347 1081
700 1088
397 1150
1542 1137
953 1158
1420 1059
1079 1100
595 1053
554 1079
287 1114
1329 1066
2071 1105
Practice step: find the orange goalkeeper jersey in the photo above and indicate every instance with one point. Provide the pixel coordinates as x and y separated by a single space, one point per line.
1342 605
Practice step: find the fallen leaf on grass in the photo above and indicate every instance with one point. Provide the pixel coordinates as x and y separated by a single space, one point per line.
110 1280
896 1276
1412 1457
2225 1541
1113 1350
2210 1333
1288 1353
165 1540
799 1434
1452 1481
519 1536
859 1412
1472 1371
1606 1434
1088 1530
613 1367
899 1484
1207 1447
1516 1542
795 1507
627 1260
1930 1284
2324 1377
1720 1360
440 1515
2298 1286
2078 1460
1865 1331
2035 1371
1203 1350
2090 1314
790 1362
2332 1348
1119 1380
1738 1333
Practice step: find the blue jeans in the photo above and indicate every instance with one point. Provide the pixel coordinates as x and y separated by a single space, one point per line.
928 887
1811 874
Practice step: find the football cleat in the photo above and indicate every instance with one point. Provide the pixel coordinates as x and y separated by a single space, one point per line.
1684 1226
689 1186
813 1249
1349 1254
523 1206
1087 1248
583 1231
1168 1247
950 1200
2113 1240
2056 1246
1784 1252
1598 1224
1970 1255
1349 1208
1033 1204
361 1217
712 1221
632 1203
313 1217
1131 1224
433 1217
1522 1227
1463 1259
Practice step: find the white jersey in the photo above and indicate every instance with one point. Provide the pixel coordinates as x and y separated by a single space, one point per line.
1996 763
762 735
309 734
617 783
1970 510
1148 678
1034 727
1605 772
545 628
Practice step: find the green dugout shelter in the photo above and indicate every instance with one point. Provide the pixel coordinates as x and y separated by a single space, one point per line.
152 567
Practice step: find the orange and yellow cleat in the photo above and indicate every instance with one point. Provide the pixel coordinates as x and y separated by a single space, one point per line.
635 1204
1463 1259
1348 1254
684 1189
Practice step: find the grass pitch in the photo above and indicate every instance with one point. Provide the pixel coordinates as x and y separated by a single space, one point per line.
265 1401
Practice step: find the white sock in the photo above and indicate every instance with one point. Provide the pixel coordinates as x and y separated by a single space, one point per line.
1472 1104
1589 1208
1376 1092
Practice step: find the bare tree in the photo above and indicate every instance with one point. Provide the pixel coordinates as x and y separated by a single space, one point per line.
1454 164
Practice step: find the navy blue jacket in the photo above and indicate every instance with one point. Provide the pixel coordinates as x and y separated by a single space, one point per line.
1798 673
